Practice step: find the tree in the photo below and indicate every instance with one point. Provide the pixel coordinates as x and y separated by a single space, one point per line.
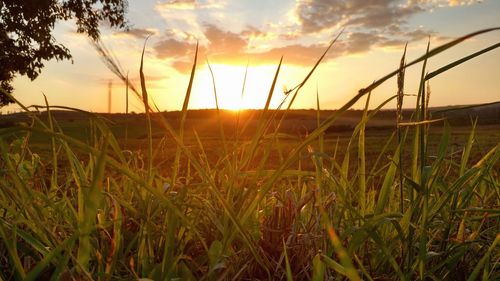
26 27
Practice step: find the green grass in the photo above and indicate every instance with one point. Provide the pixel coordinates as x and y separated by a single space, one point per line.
78 201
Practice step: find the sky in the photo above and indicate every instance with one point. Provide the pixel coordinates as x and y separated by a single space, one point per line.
241 39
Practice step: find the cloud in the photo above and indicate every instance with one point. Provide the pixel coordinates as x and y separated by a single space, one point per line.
403 37
253 32
296 54
369 24
232 48
418 34
360 42
371 17
189 4
183 66
224 41
171 48
178 4
363 19
462 2
317 15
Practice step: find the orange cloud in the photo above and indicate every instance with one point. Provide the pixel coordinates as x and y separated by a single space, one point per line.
189 5
224 42
171 48
231 48
178 4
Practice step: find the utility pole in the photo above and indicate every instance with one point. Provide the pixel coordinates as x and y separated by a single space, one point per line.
126 96
110 86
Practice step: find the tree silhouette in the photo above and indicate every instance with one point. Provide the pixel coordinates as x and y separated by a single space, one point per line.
26 28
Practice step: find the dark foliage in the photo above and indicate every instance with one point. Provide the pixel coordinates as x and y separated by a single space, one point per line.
26 32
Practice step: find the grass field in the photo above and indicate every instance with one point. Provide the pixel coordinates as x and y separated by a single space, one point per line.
282 195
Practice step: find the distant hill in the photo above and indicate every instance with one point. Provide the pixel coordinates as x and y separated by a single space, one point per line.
296 120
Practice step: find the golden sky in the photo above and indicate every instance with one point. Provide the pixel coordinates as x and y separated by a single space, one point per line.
234 34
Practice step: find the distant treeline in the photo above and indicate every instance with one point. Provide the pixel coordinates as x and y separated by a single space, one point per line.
303 118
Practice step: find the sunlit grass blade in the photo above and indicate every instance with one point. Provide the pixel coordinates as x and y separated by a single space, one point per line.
147 110
289 274
10 243
362 159
419 123
313 69
417 154
297 88
321 139
475 273
386 188
184 112
418 157
92 199
145 98
333 265
460 61
116 240
318 268
219 119
467 149
345 260
53 146
261 123
458 108
28 238
43 264
399 117
238 115
428 55
113 64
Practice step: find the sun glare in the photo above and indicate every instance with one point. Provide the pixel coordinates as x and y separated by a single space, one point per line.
229 81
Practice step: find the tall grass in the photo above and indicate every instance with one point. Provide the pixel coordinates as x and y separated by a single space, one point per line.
89 209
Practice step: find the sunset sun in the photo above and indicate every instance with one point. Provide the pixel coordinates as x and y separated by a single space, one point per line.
234 92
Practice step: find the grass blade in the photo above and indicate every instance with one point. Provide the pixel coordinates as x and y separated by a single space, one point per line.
460 61
183 117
